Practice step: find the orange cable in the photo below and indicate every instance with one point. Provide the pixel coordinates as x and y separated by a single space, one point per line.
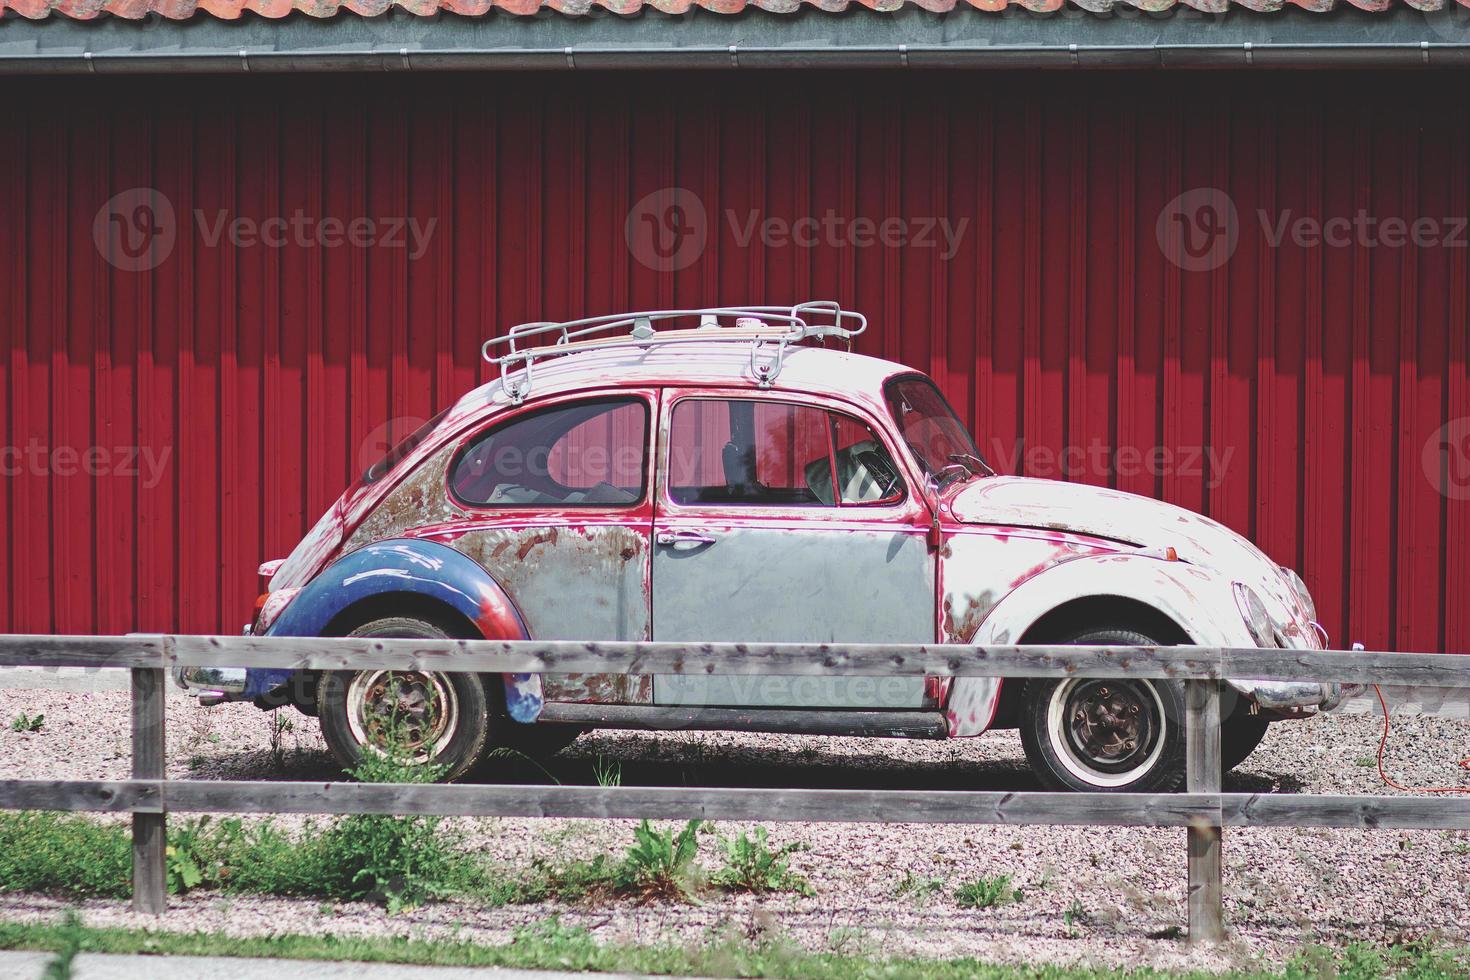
1393 783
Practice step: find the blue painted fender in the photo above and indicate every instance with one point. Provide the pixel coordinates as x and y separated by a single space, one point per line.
407 566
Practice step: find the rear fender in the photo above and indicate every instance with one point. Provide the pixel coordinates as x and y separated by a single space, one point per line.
1199 601
408 567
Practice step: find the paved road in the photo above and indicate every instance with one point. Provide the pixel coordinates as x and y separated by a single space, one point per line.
102 966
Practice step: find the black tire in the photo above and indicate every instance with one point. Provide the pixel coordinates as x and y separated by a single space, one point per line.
346 699
1115 736
1239 736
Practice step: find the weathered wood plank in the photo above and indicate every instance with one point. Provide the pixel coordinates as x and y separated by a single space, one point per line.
1444 812
1235 809
101 796
631 802
1202 773
24 650
533 656
149 830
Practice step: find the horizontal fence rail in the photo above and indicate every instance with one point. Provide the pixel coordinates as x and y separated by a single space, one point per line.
1203 810
857 659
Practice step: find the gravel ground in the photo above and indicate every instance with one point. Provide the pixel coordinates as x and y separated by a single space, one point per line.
1125 886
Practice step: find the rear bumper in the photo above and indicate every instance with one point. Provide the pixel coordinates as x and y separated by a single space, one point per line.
1291 696
212 685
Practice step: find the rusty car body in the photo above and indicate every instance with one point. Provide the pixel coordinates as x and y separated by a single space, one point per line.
726 474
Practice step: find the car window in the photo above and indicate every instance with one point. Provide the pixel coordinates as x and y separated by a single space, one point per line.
395 455
928 425
768 453
586 454
866 474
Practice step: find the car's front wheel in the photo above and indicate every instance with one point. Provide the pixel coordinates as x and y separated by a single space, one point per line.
1109 736
423 717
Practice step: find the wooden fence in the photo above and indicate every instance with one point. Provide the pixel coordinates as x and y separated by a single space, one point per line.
149 795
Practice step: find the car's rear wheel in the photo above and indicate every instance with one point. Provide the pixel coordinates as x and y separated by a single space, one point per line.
424 717
1105 736
1239 736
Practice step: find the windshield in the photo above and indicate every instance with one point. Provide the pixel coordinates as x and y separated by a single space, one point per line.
934 433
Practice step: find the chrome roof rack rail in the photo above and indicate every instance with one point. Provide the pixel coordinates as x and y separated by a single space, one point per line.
769 330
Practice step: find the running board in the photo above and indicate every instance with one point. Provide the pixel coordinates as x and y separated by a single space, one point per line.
785 721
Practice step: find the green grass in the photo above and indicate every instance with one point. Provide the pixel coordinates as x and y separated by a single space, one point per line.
551 944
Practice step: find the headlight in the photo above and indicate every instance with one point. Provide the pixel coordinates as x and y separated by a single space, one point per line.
1302 595
1253 611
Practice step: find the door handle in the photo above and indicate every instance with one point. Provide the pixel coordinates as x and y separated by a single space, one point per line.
683 538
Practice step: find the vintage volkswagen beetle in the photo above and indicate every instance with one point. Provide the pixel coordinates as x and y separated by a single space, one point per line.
715 475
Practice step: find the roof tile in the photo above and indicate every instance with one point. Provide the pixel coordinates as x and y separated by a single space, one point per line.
234 9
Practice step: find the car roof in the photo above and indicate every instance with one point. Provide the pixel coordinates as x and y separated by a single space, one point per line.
806 370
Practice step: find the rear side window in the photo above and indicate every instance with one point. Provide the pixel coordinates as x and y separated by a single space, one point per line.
744 451
395 455
586 454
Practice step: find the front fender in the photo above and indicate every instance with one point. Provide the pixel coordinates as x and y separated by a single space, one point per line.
412 567
1199 601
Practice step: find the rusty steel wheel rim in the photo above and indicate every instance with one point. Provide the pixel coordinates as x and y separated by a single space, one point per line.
1107 733
420 706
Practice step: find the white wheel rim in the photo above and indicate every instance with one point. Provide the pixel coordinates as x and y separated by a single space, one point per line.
430 728
1056 732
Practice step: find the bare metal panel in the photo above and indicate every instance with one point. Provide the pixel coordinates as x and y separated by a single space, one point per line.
779 584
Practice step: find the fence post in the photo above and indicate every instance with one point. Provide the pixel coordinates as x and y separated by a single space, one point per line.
1202 768
149 832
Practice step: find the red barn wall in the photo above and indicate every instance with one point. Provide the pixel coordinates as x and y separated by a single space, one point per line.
1296 392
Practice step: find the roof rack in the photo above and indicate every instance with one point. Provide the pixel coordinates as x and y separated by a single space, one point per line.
770 331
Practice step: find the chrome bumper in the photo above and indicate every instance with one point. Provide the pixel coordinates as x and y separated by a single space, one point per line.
211 684
1292 695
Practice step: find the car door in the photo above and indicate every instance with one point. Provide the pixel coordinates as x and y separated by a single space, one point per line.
559 503
779 520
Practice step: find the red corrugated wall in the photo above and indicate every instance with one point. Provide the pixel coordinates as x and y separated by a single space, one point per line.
248 378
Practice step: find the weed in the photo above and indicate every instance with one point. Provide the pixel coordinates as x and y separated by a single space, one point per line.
183 859
660 864
61 854
752 866
278 726
398 861
1075 915
27 723
920 890
69 943
987 892
607 772
1366 762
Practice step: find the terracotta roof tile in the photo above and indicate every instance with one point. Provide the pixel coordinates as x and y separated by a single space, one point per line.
234 9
